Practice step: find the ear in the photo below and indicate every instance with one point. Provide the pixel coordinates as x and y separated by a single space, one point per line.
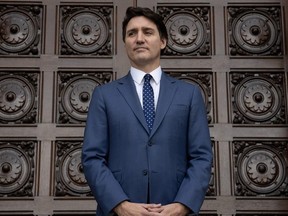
163 43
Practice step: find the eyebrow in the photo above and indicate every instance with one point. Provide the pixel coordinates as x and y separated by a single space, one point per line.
143 28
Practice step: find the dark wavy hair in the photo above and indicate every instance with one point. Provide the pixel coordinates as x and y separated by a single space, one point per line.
132 12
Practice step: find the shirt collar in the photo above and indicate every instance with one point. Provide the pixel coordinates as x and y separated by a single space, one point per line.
138 75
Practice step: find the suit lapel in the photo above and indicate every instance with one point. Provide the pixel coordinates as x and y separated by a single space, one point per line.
166 95
127 89
167 91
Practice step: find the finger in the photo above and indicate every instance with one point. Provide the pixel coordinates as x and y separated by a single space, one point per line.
158 209
153 205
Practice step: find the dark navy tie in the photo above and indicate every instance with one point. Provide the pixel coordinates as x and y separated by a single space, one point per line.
148 101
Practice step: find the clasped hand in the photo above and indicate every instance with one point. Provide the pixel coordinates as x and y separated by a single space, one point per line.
134 209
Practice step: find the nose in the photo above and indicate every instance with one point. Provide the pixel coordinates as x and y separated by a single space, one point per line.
140 37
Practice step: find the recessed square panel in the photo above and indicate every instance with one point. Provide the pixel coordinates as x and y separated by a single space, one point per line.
17 164
86 30
21 30
255 31
260 168
19 95
188 28
258 97
69 175
74 92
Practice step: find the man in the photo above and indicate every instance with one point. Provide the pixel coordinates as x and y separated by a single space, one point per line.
140 162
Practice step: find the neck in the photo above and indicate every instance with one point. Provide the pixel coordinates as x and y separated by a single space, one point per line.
147 68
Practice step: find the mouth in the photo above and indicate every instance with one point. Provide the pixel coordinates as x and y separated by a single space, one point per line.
140 48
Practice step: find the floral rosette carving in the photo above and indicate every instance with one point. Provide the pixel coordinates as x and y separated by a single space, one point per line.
260 168
75 92
188 30
69 171
20 30
18 97
86 31
258 99
255 31
16 168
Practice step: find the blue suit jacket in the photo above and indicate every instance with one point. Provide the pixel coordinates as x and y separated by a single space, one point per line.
120 157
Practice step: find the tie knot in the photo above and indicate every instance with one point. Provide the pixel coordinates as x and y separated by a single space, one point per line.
147 77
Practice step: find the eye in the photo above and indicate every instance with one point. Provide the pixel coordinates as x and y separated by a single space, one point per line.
148 32
131 33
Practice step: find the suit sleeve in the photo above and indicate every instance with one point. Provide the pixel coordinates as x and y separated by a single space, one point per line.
105 188
195 183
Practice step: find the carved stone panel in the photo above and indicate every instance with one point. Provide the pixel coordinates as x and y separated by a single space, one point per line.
255 31
75 92
70 179
20 29
19 97
260 168
258 98
205 81
188 30
86 30
17 168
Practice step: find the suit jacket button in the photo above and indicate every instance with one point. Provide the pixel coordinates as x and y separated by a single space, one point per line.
145 172
150 143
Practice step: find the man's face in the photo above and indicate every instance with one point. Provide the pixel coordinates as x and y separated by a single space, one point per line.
143 43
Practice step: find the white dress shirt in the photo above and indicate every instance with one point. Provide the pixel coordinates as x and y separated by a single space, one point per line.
138 77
